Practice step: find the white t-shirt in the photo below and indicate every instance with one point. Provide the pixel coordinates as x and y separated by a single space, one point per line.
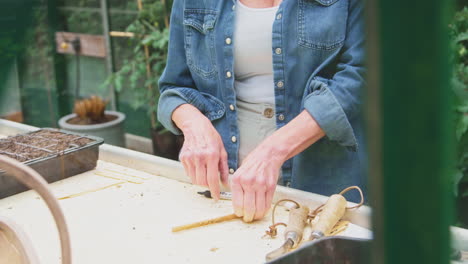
253 65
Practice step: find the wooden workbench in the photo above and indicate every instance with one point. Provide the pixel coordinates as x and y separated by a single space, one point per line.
123 211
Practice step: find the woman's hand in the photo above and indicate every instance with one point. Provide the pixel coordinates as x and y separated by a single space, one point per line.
202 155
254 183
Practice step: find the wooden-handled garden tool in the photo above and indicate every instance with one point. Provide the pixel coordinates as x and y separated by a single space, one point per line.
330 213
293 233
333 210
327 218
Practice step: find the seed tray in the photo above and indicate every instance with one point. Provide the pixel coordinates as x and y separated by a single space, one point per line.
55 154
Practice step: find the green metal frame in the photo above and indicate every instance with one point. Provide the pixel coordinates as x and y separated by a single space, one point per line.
410 146
110 64
64 100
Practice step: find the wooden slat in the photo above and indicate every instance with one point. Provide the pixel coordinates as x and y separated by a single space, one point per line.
15 117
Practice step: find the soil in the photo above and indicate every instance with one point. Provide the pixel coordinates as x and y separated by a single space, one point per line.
78 121
40 144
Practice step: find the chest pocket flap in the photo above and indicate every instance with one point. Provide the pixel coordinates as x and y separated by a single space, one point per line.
326 2
202 20
199 27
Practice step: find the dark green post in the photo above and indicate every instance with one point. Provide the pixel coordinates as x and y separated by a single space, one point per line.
15 18
110 63
410 177
64 100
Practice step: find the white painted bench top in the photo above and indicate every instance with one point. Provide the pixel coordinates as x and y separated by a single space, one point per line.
128 219
123 212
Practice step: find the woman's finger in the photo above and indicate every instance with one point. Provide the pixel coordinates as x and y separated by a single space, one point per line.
188 165
213 177
237 196
188 170
249 204
260 203
270 191
200 170
223 168
268 199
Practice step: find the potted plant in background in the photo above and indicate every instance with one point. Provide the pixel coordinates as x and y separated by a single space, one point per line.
141 72
91 118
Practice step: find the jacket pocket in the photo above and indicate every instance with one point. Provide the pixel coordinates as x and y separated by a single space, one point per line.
199 41
322 23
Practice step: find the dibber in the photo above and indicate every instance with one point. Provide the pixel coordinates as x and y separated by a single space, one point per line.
333 210
293 233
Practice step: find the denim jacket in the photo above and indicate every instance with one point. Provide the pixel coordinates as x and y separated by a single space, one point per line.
318 65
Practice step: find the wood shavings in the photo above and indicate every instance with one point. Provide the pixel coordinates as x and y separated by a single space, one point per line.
214 249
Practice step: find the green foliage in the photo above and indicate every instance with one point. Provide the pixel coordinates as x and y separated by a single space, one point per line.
459 36
82 22
150 31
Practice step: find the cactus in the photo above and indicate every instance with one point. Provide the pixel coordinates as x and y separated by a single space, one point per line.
91 109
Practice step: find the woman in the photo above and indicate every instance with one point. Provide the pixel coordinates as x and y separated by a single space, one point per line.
266 92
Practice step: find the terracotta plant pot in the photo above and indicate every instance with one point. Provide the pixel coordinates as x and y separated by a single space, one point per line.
166 144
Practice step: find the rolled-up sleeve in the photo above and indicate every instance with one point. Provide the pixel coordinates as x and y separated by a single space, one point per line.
165 109
173 97
176 84
334 102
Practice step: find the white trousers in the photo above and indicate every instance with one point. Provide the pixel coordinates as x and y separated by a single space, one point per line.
256 122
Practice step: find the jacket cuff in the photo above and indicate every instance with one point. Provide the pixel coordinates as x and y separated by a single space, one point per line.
169 104
322 104
170 99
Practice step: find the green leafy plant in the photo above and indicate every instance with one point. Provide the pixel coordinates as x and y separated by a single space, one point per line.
141 72
459 38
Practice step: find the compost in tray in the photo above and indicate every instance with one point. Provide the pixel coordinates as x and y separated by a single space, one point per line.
54 154
40 144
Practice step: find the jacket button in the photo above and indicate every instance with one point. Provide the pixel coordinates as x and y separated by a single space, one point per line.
268 113
280 84
231 171
279 16
233 139
281 117
228 74
234 7
232 107
228 41
278 51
